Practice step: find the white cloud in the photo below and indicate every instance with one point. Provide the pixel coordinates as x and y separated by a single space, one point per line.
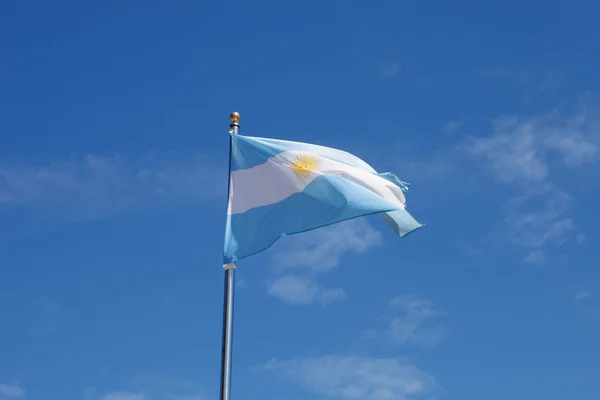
321 250
299 290
159 387
513 75
391 70
151 387
530 154
293 289
240 281
582 294
575 149
428 170
11 391
537 218
316 253
526 149
535 257
451 127
357 378
91 186
410 321
513 154
537 81
332 294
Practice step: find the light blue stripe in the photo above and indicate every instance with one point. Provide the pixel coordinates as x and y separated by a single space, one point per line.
395 180
326 200
248 152
401 222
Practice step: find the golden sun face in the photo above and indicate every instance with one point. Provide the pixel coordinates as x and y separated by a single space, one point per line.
304 164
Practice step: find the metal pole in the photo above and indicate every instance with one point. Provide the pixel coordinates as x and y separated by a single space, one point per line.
234 127
227 332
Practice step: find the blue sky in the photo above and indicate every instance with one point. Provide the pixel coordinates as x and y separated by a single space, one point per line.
113 172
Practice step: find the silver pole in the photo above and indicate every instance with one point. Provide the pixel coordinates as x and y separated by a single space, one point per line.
226 348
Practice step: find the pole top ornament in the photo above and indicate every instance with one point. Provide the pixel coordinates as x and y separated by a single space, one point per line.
234 117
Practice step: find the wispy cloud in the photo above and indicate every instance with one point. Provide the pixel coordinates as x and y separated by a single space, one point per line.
240 281
357 378
582 295
537 218
11 391
332 294
321 250
48 315
524 149
294 289
451 127
124 396
390 70
535 257
92 186
151 387
298 290
423 169
302 259
532 78
412 320
515 75
529 154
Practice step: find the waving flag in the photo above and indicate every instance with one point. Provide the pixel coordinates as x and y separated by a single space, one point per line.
279 187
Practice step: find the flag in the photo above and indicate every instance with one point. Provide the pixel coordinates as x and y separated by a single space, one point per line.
279 187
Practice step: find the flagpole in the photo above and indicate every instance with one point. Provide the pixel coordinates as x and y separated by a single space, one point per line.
227 343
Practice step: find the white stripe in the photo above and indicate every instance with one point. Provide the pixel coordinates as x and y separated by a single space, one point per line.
274 181
315 149
265 184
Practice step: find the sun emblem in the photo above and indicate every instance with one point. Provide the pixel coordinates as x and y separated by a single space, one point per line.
304 164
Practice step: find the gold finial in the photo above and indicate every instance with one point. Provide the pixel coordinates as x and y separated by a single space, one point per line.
234 117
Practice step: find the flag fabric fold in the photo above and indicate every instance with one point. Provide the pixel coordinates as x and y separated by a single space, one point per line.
279 187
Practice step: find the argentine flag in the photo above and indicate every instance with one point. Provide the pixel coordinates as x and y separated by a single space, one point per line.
279 187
